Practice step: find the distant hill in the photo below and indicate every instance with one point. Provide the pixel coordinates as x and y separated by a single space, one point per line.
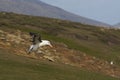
38 8
117 25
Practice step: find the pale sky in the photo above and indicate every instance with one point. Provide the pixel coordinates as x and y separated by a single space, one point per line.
107 11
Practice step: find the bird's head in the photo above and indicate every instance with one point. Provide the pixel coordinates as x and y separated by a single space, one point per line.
49 44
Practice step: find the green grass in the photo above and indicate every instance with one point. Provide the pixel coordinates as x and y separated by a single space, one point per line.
13 67
92 40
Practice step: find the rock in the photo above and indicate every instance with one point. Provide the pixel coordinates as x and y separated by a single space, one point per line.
49 58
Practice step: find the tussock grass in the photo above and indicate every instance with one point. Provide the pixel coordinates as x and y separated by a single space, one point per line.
100 42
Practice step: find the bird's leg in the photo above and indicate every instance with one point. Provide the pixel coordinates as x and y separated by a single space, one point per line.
30 49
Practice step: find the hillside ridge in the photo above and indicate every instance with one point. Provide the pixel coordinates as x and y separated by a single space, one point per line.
39 8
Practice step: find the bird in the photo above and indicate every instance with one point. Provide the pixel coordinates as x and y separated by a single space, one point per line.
37 42
35 47
45 43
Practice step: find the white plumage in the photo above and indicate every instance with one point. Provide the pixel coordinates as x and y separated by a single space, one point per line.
45 43
38 45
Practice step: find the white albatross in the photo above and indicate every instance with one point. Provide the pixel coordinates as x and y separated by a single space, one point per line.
38 45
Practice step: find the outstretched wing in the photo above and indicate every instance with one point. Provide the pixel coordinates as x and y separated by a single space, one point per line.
36 37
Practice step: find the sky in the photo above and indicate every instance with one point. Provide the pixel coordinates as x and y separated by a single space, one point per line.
107 11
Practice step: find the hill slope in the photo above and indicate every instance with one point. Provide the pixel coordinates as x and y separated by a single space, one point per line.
75 35
74 43
15 67
117 25
38 8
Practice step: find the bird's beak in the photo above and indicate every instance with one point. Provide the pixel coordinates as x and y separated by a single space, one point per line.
51 46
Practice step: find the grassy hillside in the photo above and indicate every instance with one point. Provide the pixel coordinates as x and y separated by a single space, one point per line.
104 43
13 67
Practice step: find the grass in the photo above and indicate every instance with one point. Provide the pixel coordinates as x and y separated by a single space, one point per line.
100 42
13 67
